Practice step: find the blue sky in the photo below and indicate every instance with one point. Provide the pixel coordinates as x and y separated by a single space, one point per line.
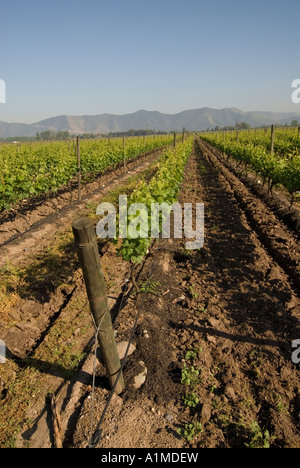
95 56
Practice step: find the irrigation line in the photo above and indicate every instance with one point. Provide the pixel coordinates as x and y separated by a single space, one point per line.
96 437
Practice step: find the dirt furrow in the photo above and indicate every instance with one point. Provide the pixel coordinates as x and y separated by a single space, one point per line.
250 316
279 241
278 202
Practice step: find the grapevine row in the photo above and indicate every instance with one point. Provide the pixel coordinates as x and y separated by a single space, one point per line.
282 167
163 188
38 168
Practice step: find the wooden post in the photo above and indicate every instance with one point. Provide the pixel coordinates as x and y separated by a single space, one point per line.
175 140
298 132
79 168
272 139
124 151
86 243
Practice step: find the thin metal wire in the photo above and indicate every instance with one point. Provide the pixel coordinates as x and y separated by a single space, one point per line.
97 329
95 439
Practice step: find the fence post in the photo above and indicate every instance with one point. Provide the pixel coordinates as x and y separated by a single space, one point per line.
124 152
87 248
272 139
79 168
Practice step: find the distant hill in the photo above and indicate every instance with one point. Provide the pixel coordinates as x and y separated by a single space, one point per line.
198 119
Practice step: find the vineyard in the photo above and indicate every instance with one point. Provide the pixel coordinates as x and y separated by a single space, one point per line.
208 333
32 169
279 164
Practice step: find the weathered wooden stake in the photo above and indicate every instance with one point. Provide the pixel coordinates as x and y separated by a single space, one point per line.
175 138
86 243
124 151
272 139
79 168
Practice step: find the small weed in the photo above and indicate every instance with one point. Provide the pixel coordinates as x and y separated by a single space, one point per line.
258 438
151 287
185 253
202 167
202 310
281 408
213 388
190 431
194 294
216 403
255 357
190 376
192 354
191 400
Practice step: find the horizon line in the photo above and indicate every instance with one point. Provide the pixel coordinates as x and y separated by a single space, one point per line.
153 111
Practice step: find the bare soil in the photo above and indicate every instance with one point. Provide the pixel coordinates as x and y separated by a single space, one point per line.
229 311
237 310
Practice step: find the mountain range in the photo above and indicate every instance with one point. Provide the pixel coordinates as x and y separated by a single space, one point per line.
194 120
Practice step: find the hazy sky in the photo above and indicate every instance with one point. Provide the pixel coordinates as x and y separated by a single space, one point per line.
118 56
